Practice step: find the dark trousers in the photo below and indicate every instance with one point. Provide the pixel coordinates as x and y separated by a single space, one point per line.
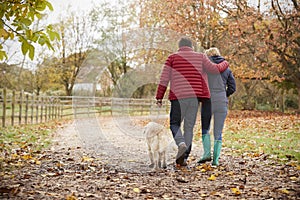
206 113
183 110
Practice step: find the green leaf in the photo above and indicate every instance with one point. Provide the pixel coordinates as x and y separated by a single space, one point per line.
29 34
38 15
52 35
41 7
3 55
31 15
31 51
57 35
49 5
11 35
41 41
25 47
35 37
49 45
26 22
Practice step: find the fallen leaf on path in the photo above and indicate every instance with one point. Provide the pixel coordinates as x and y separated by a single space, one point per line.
86 159
136 190
212 178
236 191
284 191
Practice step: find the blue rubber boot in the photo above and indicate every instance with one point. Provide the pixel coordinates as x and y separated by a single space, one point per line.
206 146
217 152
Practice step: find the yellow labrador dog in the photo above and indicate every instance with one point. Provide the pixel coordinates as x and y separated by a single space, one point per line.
158 139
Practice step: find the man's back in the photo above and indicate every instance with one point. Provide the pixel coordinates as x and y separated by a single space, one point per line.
187 77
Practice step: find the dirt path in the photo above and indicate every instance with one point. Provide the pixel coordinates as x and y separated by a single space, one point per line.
118 142
107 158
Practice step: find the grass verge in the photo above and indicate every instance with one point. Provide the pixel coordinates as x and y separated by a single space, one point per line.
255 133
22 144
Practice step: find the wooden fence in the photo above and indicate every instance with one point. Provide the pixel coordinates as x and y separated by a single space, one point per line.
20 108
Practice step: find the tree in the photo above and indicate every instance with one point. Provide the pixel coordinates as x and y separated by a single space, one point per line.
8 76
283 39
198 19
17 17
265 45
77 38
261 44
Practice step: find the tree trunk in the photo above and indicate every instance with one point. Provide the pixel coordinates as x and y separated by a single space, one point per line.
298 98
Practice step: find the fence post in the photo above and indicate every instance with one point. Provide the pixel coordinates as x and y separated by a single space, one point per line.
52 108
26 109
37 109
20 107
55 108
49 108
13 102
4 108
31 108
41 115
61 109
46 108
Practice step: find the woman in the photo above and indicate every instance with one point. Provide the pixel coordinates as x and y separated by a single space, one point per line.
221 86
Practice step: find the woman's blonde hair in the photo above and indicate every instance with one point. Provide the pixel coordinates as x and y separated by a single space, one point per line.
212 52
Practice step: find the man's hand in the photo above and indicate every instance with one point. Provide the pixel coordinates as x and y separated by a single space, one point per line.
159 102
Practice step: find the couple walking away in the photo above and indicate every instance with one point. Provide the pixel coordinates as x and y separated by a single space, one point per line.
189 74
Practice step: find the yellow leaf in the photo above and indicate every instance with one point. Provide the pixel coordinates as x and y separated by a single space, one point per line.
212 178
236 191
71 197
137 190
14 156
231 173
26 157
198 167
284 191
86 159
293 178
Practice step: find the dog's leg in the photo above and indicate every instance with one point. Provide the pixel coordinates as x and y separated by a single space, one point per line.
162 159
157 162
163 155
150 156
159 159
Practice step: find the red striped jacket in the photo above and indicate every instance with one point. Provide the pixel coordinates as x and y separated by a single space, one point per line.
186 71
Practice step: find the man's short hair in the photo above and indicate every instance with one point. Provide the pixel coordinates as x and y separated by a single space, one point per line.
185 42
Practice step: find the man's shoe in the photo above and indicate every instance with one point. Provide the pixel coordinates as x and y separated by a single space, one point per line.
181 153
184 162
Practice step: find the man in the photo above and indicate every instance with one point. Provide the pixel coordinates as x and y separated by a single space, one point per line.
186 70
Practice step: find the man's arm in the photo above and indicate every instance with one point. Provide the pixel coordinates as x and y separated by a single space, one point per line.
164 81
212 67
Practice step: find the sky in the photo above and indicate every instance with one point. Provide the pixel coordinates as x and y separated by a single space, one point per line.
62 6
